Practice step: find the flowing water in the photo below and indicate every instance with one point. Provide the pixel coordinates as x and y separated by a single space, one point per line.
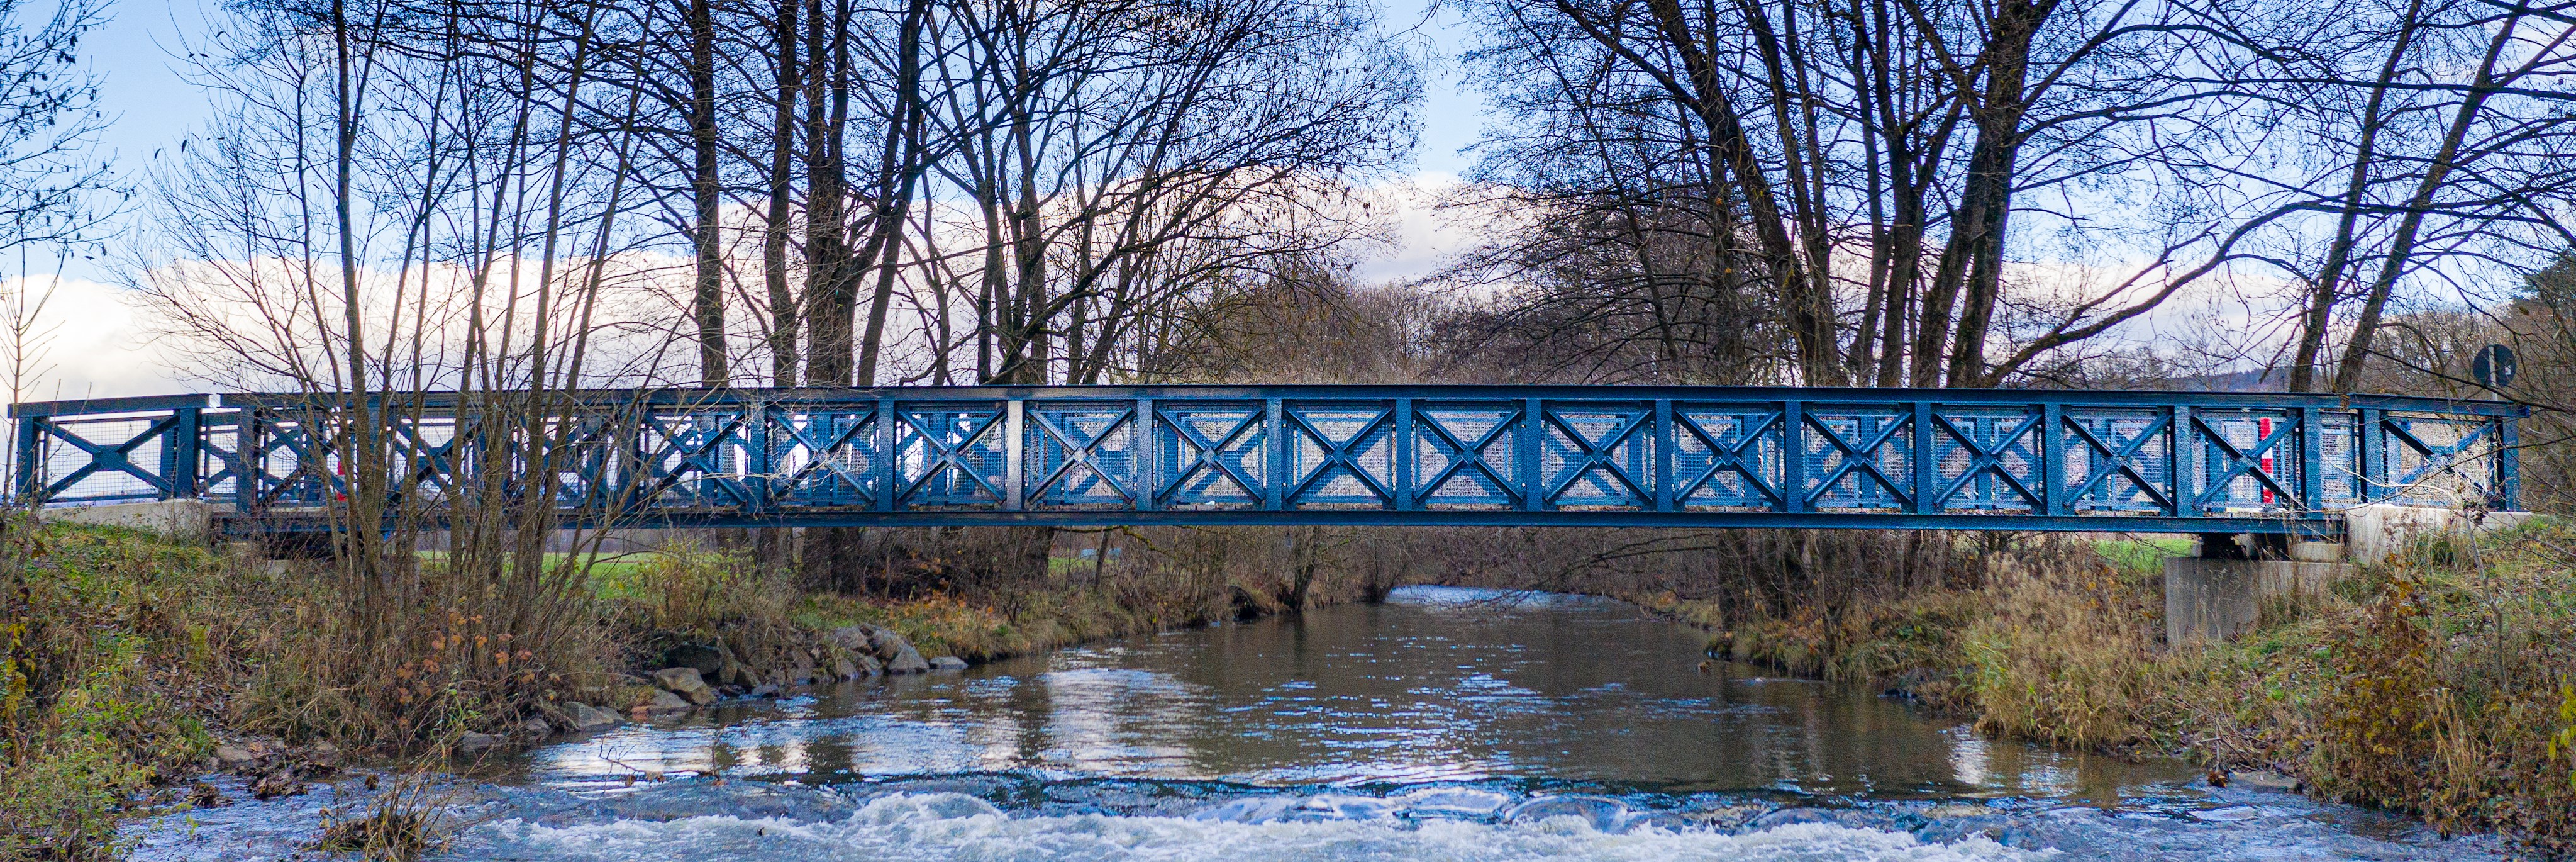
1446 724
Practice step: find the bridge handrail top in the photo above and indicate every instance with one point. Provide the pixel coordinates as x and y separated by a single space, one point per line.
691 396
126 404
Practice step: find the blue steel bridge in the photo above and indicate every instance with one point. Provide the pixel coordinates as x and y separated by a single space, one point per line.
1410 455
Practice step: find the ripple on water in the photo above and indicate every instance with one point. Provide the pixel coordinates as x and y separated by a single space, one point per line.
945 826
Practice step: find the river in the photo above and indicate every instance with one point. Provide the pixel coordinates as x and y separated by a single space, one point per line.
1446 724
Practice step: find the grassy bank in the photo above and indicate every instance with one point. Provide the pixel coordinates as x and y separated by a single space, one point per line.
2442 683
126 660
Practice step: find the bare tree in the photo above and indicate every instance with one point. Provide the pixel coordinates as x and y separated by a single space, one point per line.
48 122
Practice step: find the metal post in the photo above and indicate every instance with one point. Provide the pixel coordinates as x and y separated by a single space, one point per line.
2312 461
1015 454
759 463
184 453
31 446
1275 434
2186 463
889 479
1143 456
1666 437
1533 484
2374 455
1927 469
1793 456
2052 458
2508 464
1404 471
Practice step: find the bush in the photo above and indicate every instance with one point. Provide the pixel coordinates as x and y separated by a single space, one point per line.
106 642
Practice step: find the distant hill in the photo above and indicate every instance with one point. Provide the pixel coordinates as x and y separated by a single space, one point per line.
2265 380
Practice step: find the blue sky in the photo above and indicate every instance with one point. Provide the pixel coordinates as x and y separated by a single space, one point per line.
153 105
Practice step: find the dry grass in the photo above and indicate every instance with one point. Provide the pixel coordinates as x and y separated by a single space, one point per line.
2442 683
405 822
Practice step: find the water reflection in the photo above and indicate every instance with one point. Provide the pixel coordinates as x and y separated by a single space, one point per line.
1437 685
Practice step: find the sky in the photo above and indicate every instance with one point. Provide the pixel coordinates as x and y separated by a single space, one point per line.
98 346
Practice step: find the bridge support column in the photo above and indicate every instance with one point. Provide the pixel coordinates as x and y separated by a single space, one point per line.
2221 593
185 520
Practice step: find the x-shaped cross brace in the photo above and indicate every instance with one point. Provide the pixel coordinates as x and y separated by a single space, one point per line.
1599 455
2436 458
1723 457
433 465
298 439
2123 458
694 455
2246 462
1855 458
943 456
1083 454
1463 456
1339 455
1982 460
119 458
1208 455
822 448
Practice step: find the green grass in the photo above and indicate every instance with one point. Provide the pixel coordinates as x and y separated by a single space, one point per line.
2142 555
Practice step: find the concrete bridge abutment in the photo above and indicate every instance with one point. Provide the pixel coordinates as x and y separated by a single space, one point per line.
2220 592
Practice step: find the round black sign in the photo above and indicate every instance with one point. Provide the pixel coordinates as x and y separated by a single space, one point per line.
2494 366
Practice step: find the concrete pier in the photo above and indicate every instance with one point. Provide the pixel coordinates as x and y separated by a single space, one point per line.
2219 593
188 520
2215 599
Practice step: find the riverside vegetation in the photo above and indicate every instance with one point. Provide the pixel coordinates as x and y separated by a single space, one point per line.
131 665
2441 683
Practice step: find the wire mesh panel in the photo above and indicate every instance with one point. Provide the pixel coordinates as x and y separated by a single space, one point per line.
1341 455
2118 460
1859 458
2340 482
950 456
1082 455
2248 462
1727 457
1987 459
826 457
1211 455
103 459
696 459
2439 460
1597 455
1465 455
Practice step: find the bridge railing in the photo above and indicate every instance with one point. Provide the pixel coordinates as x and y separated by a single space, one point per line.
1955 459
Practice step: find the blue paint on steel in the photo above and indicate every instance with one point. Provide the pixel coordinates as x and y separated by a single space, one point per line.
1458 455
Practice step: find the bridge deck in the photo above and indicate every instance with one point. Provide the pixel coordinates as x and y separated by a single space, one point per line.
1480 455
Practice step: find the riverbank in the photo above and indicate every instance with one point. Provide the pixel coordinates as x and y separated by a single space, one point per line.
2441 683
134 665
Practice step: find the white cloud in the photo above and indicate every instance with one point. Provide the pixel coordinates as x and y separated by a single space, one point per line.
88 340
1423 238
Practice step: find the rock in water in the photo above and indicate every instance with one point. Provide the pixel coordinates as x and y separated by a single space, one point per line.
905 658
234 756
664 701
2262 779
472 741
588 718
852 638
706 660
948 662
685 682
